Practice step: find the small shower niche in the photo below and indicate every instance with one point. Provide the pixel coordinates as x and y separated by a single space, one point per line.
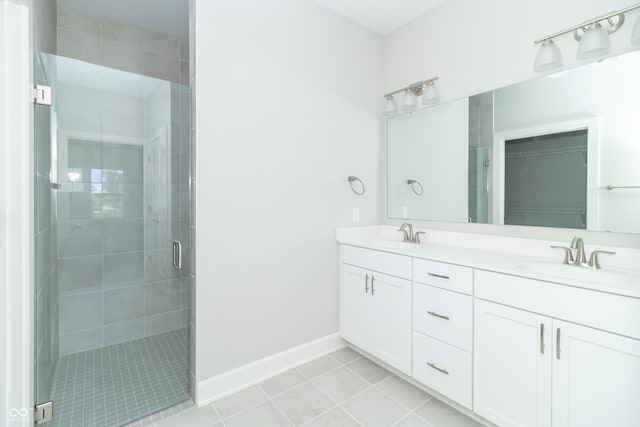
113 195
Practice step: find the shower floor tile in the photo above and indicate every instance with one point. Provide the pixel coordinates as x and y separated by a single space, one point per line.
117 384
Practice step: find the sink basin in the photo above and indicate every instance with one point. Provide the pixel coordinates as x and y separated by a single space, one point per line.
395 244
604 276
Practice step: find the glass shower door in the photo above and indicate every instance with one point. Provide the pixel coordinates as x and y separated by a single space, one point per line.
112 197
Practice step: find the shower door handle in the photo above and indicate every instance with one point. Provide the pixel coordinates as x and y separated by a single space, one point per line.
177 255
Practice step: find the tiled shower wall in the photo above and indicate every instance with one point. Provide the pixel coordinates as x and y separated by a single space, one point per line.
480 152
122 46
117 220
45 28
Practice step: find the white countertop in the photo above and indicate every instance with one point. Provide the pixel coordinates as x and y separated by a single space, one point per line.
544 264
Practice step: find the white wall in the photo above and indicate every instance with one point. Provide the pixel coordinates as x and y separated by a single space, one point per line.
475 46
288 105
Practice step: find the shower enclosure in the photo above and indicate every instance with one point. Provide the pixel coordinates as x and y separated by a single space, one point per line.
112 243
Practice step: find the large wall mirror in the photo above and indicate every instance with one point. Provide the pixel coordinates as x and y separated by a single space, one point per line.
557 151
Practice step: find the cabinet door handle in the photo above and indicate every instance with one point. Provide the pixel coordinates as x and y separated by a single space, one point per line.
373 290
433 365
541 338
439 276
366 284
558 343
438 315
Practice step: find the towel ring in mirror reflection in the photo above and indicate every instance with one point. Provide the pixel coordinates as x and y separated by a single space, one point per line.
413 183
353 179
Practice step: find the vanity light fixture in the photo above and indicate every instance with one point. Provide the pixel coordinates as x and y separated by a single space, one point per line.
548 57
594 42
409 100
390 106
592 36
426 90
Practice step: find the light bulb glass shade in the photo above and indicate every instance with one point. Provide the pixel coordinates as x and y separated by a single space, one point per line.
548 57
390 106
635 34
409 101
595 42
431 93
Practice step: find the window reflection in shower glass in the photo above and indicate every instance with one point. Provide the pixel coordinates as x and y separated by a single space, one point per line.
107 193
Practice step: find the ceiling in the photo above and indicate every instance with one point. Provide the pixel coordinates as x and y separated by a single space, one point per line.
381 16
169 17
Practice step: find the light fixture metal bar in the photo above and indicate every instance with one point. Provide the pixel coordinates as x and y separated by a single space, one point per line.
415 85
586 23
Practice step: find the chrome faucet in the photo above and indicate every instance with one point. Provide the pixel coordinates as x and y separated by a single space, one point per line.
578 244
409 235
580 258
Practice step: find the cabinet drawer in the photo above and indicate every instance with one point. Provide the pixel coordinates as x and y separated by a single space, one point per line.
383 262
443 275
601 310
442 314
442 367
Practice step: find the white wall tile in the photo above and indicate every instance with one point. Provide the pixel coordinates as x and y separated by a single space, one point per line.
161 67
80 312
122 57
78 22
122 33
79 46
161 45
80 341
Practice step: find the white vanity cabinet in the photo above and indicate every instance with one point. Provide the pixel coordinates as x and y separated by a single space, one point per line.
375 307
443 328
512 366
596 378
527 363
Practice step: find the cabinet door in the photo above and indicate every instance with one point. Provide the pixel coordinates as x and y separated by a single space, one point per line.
392 320
596 378
512 366
356 324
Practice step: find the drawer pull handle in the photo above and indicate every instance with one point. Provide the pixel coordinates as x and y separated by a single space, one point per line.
432 365
366 284
558 344
439 276
438 315
541 338
373 290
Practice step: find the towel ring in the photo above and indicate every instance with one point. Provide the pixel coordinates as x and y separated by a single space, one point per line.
413 183
353 179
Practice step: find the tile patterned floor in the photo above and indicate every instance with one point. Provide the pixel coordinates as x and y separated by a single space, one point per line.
114 385
342 389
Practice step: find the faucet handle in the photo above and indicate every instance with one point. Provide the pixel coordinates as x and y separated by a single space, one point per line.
568 255
594 262
417 235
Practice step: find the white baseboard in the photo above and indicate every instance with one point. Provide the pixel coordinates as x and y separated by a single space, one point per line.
245 376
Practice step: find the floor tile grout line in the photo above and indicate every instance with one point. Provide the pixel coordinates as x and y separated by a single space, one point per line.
335 406
414 414
218 414
279 408
270 398
396 400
